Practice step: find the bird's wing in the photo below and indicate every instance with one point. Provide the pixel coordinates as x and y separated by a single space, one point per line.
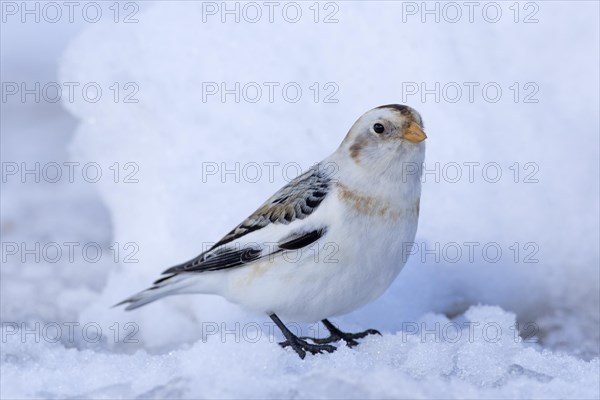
260 235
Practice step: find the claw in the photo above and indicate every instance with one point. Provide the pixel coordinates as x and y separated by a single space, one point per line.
301 346
337 335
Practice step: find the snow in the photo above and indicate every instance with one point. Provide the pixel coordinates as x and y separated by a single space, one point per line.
395 365
180 347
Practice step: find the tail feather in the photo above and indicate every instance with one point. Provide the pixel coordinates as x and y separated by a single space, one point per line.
167 286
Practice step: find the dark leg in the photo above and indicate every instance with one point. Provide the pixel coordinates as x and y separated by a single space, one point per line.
335 335
299 345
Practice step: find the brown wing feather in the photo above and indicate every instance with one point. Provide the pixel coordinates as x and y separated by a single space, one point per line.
296 200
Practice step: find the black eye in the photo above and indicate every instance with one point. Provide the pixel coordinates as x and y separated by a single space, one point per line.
378 128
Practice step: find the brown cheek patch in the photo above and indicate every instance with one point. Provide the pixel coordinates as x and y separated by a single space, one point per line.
356 148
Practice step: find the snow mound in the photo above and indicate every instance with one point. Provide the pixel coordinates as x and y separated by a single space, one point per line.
467 363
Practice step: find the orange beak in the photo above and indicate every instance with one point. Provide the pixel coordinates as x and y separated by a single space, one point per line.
414 133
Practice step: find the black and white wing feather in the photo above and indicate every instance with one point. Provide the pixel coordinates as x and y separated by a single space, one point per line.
245 243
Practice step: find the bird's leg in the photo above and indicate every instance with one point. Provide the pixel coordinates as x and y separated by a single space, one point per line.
300 346
335 335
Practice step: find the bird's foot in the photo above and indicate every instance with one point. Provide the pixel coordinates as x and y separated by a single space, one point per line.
301 346
350 338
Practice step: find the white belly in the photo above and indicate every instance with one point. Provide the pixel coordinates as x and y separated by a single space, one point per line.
353 264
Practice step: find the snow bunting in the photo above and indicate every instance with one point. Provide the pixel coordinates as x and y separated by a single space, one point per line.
328 242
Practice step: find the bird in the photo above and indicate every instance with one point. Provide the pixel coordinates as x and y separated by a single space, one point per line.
328 242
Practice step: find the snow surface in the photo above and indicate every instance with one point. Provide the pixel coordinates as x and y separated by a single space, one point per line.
391 366
171 212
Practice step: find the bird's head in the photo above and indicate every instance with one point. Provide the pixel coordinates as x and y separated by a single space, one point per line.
384 137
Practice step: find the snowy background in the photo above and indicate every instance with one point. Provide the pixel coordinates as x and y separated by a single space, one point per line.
529 321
